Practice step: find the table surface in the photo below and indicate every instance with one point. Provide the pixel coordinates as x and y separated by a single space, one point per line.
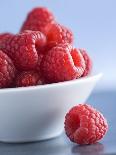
104 101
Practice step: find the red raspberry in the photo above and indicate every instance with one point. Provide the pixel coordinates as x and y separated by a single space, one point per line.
85 125
78 61
29 78
4 36
42 42
7 70
57 33
22 48
50 45
62 63
88 62
37 19
38 67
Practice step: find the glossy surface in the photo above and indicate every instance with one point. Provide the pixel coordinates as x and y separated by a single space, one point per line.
104 101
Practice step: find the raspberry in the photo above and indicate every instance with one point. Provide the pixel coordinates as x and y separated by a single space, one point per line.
28 78
57 33
88 62
48 47
85 125
42 42
37 19
78 61
7 70
4 36
38 67
62 63
22 48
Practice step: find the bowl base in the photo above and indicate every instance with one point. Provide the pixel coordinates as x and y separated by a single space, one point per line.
33 139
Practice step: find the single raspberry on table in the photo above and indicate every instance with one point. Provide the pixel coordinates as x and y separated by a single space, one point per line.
28 78
7 70
85 125
37 19
62 63
22 49
88 62
57 33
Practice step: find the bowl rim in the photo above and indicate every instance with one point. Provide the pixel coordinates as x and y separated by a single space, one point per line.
80 80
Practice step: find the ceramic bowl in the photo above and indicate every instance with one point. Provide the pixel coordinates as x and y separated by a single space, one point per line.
37 113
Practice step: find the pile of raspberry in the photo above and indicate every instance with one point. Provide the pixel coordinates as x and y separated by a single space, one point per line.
41 53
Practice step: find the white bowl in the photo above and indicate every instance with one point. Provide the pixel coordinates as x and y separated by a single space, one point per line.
37 113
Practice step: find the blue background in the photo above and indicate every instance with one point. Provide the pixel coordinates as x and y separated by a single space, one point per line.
93 23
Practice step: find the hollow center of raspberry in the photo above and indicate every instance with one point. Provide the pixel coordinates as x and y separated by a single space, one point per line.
38 47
